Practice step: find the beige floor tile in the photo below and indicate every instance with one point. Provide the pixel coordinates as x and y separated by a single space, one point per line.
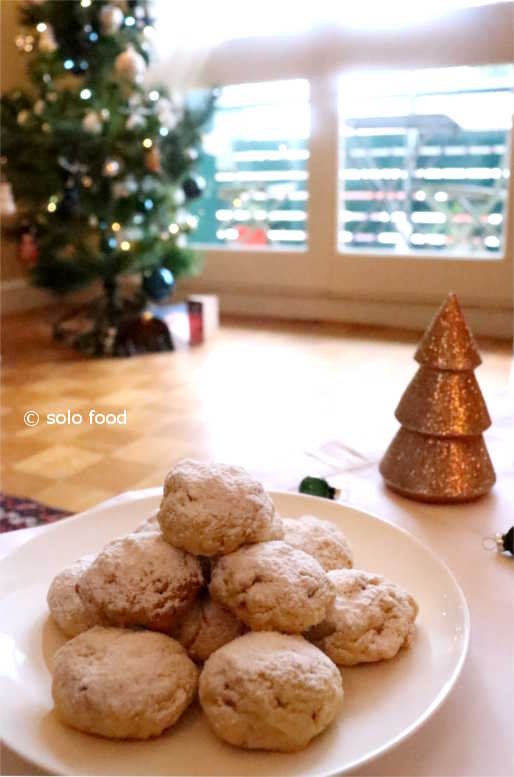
59 461
65 497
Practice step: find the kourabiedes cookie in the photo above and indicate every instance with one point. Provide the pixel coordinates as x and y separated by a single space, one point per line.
141 580
207 626
270 691
213 509
65 604
320 539
122 684
272 587
371 619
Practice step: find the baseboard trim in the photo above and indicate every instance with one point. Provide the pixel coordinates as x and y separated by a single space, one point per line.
17 295
487 322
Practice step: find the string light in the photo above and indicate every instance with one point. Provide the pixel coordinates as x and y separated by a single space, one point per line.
68 64
163 131
85 3
85 94
148 204
51 207
154 95
147 143
129 21
41 27
112 242
93 37
173 229
115 226
125 245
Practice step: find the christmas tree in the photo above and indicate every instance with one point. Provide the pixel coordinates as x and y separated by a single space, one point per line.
101 167
439 454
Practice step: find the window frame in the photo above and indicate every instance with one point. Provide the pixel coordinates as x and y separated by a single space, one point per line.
389 287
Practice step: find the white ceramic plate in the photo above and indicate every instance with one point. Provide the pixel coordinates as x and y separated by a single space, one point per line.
383 703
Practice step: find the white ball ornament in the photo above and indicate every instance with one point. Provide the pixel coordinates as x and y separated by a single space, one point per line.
130 65
92 122
111 19
47 43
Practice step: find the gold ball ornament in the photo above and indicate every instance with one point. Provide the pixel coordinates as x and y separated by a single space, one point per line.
153 160
130 66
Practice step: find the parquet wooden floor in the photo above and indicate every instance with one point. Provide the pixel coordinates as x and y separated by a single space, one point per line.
259 394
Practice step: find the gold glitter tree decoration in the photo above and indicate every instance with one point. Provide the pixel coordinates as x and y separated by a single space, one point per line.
439 454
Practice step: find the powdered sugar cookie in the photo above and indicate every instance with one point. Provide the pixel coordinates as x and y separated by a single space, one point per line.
272 586
149 524
370 619
122 684
270 691
320 539
141 580
65 604
213 509
207 626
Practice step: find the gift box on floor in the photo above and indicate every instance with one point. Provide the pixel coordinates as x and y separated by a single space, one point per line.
192 321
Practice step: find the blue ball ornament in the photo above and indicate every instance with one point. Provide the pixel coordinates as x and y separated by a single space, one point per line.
158 283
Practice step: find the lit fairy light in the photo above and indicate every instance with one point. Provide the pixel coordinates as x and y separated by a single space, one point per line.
125 245
147 143
85 94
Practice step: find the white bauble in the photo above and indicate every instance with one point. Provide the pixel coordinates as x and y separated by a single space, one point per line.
167 113
39 107
47 43
92 122
111 19
130 65
135 120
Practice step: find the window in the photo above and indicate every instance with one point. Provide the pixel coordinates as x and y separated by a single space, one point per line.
425 160
430 210
255 163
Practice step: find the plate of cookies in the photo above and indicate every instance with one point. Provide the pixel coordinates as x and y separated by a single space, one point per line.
213 628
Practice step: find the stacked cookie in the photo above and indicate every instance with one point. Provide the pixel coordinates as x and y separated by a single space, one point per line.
270 604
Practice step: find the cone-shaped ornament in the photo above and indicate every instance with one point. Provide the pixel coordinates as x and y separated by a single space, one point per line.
448 343
443 403
437 469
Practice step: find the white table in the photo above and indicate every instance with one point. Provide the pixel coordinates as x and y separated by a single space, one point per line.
473 733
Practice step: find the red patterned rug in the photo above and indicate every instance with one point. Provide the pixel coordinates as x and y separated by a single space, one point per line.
16 513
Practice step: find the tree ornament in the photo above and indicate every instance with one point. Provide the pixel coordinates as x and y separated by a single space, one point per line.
7 204
111 168
318 487
153 160
39 107
111 19
92 122
130 65
439 454
27 250
167 113
22 117
193 187
47 43
159 283
135 120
